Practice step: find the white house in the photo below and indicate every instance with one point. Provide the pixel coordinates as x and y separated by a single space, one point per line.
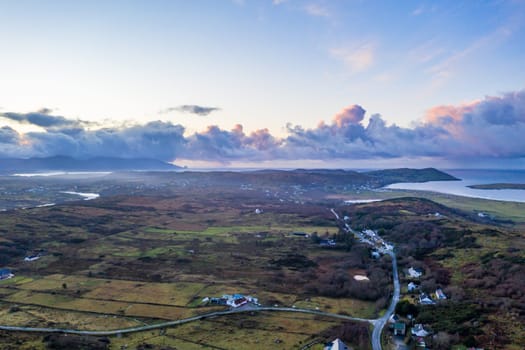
424 299
237 300
440 295
412 287
419 331
336 345
415 272
32 258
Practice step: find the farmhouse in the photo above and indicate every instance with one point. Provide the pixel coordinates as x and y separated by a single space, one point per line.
5 274
336 345
237 300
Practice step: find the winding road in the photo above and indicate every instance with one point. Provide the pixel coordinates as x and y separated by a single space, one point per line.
378 323
182 321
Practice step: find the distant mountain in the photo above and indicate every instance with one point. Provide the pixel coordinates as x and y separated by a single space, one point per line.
63 163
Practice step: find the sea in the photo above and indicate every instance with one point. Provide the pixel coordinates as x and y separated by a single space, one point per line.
473 177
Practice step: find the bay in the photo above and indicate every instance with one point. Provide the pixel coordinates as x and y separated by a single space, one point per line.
473 177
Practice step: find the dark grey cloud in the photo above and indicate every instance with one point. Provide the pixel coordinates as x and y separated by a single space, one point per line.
491 128
224 146
44 119
159 140
193 109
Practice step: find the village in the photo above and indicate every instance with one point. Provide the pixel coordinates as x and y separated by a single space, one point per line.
405 331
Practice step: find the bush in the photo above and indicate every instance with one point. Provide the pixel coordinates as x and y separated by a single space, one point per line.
404 308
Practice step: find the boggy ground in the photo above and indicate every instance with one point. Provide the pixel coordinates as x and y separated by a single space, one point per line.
124 261
127 260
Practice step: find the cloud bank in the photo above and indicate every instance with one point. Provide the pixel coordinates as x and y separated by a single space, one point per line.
489 128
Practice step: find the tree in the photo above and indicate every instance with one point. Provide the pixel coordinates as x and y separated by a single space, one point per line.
404 307
315 238
442 341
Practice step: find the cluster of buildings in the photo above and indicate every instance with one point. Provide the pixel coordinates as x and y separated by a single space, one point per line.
417 332
371 237
232 300
424 298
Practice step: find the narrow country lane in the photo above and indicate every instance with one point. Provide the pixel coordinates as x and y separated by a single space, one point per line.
181 321
379 324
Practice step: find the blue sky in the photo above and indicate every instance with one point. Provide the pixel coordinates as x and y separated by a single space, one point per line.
262 64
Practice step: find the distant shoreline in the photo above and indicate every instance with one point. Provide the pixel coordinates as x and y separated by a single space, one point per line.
498 186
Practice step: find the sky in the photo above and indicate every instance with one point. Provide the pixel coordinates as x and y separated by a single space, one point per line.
339 83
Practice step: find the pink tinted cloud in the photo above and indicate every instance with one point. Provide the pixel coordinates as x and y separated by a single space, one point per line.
352 114
449 117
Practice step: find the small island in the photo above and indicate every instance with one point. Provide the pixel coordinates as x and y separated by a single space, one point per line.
499 186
